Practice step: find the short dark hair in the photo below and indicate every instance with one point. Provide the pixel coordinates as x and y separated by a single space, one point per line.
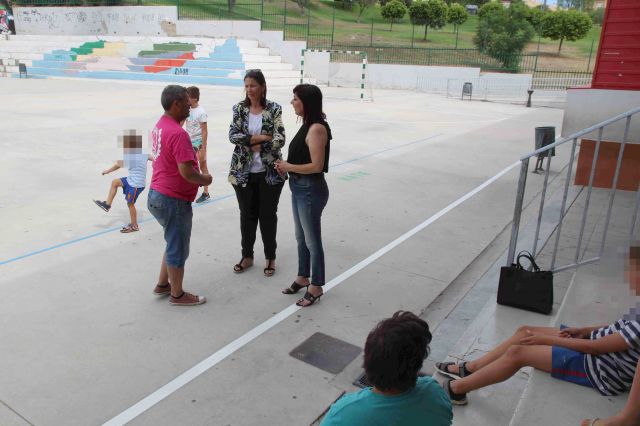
259 78
311 98
172 93
395 350
193 92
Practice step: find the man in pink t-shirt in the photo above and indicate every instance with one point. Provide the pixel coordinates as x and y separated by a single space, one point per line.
174 186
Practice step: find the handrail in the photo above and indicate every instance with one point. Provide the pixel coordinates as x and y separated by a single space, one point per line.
522 183
583 132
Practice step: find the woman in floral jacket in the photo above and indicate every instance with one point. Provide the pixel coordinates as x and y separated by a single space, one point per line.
258 135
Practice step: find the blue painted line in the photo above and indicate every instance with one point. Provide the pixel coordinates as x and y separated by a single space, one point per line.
212 201
106 231
385 150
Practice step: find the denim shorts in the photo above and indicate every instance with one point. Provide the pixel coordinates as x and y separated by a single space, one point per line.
568 365
175 217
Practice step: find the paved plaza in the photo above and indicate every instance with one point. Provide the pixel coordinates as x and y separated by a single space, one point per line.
84 341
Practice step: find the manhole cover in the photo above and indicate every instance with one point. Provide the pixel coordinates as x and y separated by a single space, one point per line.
326 352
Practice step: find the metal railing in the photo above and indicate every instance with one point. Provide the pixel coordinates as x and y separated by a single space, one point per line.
563 209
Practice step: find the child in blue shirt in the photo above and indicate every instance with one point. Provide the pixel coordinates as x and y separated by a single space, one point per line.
132 185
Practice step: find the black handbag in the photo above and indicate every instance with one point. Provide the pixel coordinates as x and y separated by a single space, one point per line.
529 290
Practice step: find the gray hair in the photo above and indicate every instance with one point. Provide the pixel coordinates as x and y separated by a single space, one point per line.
172 93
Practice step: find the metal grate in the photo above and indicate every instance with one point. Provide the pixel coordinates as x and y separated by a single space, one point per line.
362 381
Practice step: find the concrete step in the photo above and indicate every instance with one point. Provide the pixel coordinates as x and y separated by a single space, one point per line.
112 57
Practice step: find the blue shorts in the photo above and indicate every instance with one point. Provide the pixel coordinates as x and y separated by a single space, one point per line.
568 365
131 193
175 217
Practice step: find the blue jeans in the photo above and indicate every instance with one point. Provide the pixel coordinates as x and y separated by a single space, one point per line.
175 217
309 196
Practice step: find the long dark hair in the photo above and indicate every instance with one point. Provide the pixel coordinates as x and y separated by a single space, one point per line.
311 98
259 78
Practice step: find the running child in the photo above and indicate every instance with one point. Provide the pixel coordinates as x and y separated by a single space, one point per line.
132 185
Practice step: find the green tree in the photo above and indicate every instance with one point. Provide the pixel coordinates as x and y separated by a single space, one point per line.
393 11
490 8
535 18
362 6
566 25
597 16
430 13
457 15
504 33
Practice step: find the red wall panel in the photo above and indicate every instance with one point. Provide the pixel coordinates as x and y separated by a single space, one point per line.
618 60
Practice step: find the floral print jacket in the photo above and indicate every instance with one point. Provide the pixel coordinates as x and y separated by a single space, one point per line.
240 137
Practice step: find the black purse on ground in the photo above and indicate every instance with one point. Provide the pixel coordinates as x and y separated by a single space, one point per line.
528 290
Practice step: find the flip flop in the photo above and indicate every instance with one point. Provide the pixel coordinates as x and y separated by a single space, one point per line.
128 229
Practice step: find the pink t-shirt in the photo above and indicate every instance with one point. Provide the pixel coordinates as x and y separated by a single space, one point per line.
171 145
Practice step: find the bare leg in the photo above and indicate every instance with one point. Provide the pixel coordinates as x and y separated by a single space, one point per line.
630 414
175 278
164 273
133 215
502 348
505 366
302 280
203 167
115 184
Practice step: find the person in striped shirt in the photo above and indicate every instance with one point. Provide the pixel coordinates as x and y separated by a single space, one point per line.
603 357
630 414
132 185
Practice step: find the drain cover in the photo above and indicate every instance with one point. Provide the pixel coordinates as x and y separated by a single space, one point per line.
362 381
326 352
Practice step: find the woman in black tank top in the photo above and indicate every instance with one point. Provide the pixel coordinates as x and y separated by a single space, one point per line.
307 162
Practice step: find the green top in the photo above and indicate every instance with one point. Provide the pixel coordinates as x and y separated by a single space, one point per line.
426 404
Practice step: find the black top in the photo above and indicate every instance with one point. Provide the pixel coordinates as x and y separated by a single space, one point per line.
299 150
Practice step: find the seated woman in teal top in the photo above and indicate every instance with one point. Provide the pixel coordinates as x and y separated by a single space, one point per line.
393 356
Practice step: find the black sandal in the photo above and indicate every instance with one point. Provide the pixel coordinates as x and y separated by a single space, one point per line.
443 367
269 271
238 268
309 298
295 287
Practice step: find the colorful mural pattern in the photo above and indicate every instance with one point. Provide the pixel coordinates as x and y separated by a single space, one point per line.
172 62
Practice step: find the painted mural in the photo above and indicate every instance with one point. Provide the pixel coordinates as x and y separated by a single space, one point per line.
145 60
5 24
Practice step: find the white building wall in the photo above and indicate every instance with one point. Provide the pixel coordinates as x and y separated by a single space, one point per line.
122 20
587 107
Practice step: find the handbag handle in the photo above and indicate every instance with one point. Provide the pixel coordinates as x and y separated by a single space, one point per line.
529 257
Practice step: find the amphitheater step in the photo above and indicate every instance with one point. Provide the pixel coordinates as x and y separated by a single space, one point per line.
185 60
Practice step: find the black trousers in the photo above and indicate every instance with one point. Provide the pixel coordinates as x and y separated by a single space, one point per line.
258 202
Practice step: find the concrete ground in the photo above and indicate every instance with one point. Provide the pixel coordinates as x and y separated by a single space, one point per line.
84 340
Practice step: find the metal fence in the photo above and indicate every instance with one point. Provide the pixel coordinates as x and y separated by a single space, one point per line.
323 31
560 80
543 153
